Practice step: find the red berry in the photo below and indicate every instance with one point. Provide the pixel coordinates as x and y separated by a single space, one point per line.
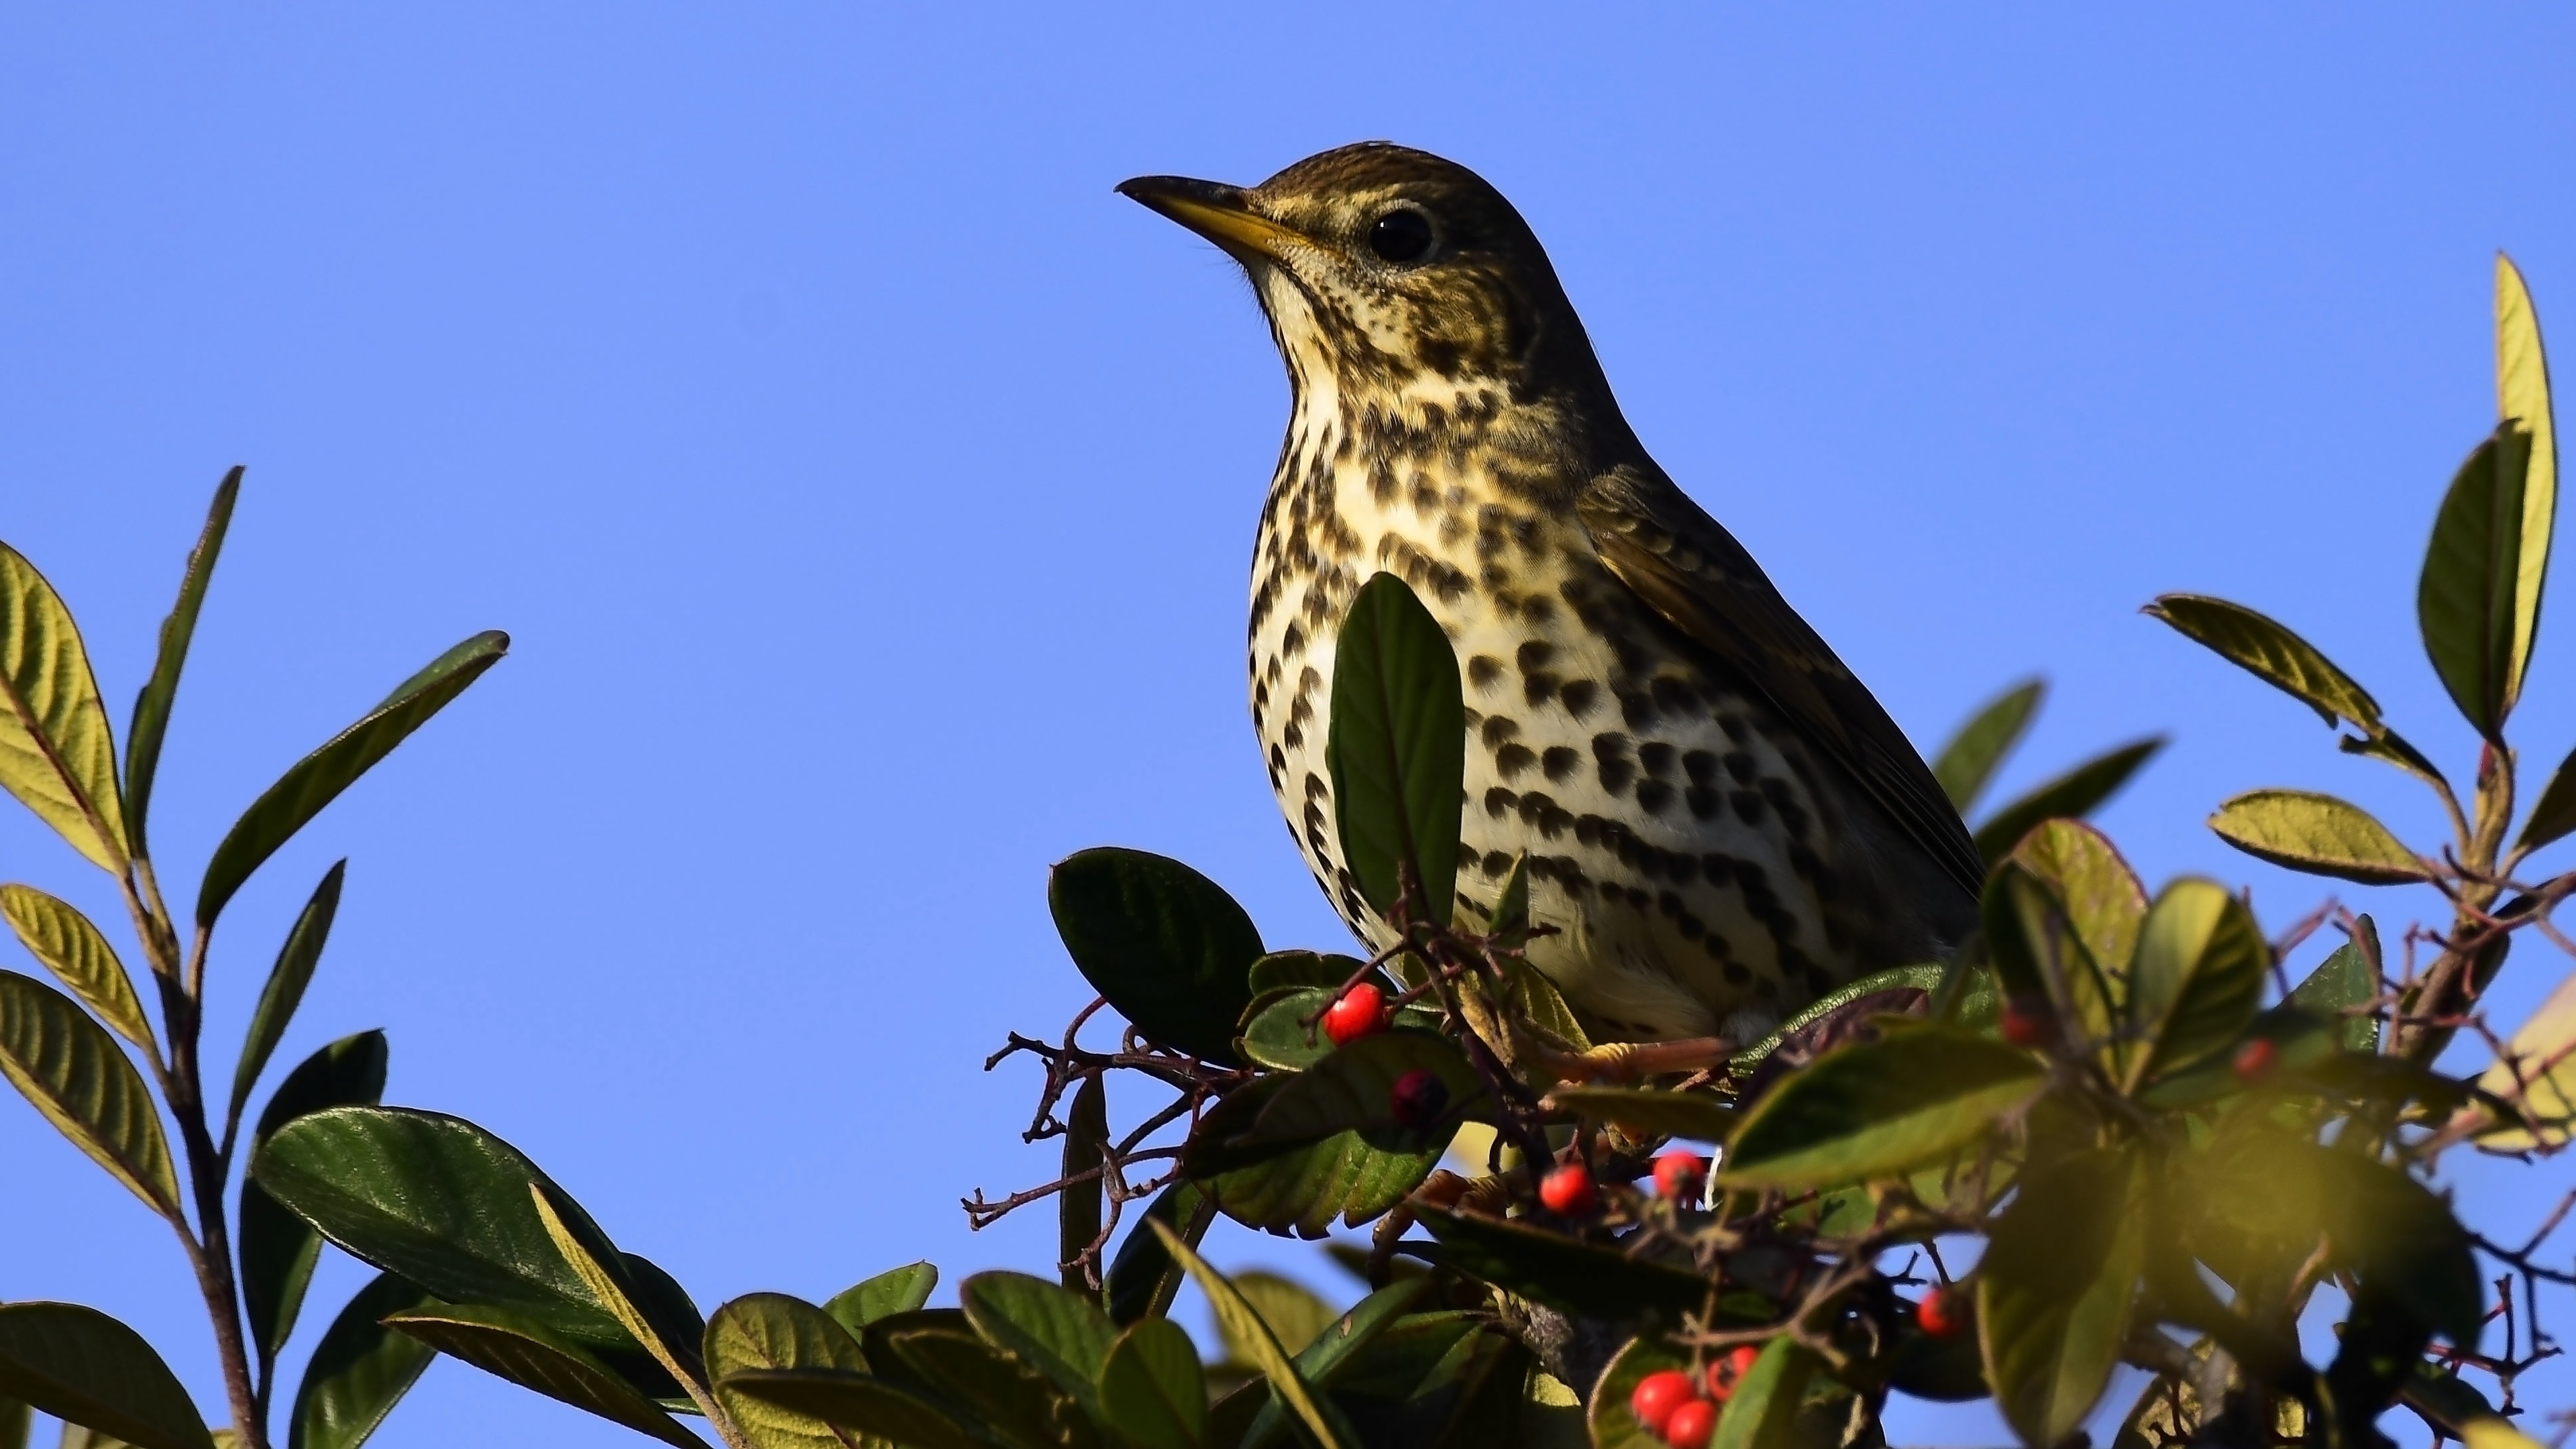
1679 1174
1358 1012
1943 1311
2255 1058
1418 1098
1568 1191
1728 1370
1691 1424
2025 1026
1657 1395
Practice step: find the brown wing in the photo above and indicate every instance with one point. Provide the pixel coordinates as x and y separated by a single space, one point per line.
1689 569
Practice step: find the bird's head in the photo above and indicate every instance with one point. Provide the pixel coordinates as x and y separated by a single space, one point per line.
1389 269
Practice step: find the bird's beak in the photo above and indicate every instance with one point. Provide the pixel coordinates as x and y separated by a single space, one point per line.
1215 211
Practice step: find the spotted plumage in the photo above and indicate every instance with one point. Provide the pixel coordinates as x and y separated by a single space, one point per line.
1719 820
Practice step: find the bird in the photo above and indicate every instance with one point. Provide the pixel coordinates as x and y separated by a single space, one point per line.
1720 822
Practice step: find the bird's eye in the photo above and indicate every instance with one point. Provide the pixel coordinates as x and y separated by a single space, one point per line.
1402 236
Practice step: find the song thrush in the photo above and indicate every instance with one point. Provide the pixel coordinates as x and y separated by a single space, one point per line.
1720 820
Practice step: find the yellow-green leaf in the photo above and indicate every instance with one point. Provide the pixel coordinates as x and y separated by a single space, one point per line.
2522 396
1878 1109
2495 1433
2318 834
2103 898
518 1347
73 1072
57 754
2267 649
2197 980
2055 1288
603 1271
61 937
1242 1325
2553 816
774 1331
1970 759
2537 1069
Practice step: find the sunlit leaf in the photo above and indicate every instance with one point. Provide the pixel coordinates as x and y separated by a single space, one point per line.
977 1382
1168 947
317 779
360 1369
2318 834
73 1072
277 1248
1351 1090
2197 980
1152 1387
1243 1324
62 938
863 1403
1062 1334
2055 1288
1915 1096
2537 1072
152 706
1762 1412
896 1290
1397 748
57 754
2465 599
603 1270
2077 793
1925 978
1969 760
2037 952
519 1347
2272 653
80 1365
774 1331
2495 1434
2553 816
286 982
2522 397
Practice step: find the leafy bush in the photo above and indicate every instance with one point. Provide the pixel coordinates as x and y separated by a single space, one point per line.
2156 1149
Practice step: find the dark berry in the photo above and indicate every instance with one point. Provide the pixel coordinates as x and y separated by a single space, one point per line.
1418 1098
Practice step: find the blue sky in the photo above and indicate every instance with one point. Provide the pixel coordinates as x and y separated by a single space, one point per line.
869 491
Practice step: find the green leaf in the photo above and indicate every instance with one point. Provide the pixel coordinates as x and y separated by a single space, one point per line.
1648 1112
2198 979
1243 1325
1300 1189
2536 1071
1168 947
1054 1330
277 1248
1968 762
1351 1090
604 1271
1926 978
57 754
523 1349
1612 1423
15 1423
1876 1109
1283 1030
2090 880
72 1070
2036 951
2522 397
983 1386
1398 748
774 1331
1143 1278
84 1367
2342 981
1152 1388
858 1402
152 706
1080 1211
2554 817
2465 599
2054 1291
286 982
1282 969
2076 793
1335 1345
1763 1411
1556 1270
318 778
2318 834
896 1290
71 948
1292 1310
2402 1241
2273 654
360 1369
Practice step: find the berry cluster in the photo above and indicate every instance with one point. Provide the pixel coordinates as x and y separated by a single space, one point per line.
1682 1408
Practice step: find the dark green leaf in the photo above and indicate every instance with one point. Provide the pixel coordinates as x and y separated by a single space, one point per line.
1143 1278
2341 982
2554 817
15 1423
73 1072
2444 1400
1152 1388
2055 1288
1558 1271
1918 1094
1763 1410
1338 1343
774 1331
1168 947
1244 1326
1398 748
2318 834
858 1402
2465 599
2077 793
980 1383
1946 1370
2402 1241
1056 1331
1295 1188
1302 968
1926 978
523 1349
317 779
82 1366
2272 653
62 938
361 1369
1968 762
1080 1204
57 754
1351 1090
152 706
619 1290
1647 1112
286 982
278 1248
1282 1028
2197 981
896 1290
